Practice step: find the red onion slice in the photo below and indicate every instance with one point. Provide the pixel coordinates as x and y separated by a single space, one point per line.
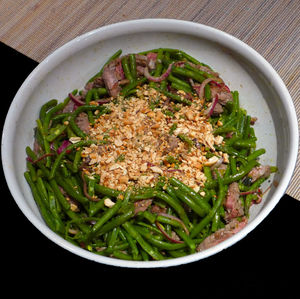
214 103
160 78
63 146
200 88
76 100
177 219
165 234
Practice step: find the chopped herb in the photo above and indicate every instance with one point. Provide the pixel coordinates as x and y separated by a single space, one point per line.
168 113
121 158
186 140
154 103
173 128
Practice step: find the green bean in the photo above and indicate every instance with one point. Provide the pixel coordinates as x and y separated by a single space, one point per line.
179 82
58 131
235 177
80 109
60 117
168 50
53 111
113 238
176 98
132 85
43 209
32 171
107 191
188 74
105 217
63 153
88 98
207 92
192 59
190 243
208 174
245 143
254 155
70 190
215 222
77 160
45 108
222 130
121 255
101 91
132 245
179 86
200 72
132 66
236 103
167 220
207 219
42 191
116 221
45 141
232 162
126 69
40 164
144 244
191 193
158 243
247 127
174 204
126 198
95 207
188 201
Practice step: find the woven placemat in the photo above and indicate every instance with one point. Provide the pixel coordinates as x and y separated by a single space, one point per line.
272 27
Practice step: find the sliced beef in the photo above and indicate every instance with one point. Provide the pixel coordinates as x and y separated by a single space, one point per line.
141 60
157 209
98 82
119 69
82 122
70 107
218 109
111 77
224 94
140 70
233 205
142 205
151 60
262 171
233 227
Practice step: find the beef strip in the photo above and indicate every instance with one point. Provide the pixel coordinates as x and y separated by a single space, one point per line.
224 96
262 171
142 205
111 78
233 227
82 122
233 205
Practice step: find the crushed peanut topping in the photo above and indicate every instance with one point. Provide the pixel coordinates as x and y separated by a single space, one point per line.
148 136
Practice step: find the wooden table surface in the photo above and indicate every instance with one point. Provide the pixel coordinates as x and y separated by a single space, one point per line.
272 27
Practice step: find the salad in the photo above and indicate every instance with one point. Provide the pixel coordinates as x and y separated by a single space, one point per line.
153 159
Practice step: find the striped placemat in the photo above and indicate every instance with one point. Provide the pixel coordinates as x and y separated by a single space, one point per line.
272 27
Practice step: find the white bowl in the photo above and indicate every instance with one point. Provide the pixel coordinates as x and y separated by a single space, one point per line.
262 93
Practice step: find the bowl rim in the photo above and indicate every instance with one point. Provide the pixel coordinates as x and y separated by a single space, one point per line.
131 27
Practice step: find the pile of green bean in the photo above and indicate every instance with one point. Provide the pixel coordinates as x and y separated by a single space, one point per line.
73 204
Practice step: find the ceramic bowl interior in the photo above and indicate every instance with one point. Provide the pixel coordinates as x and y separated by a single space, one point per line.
262 94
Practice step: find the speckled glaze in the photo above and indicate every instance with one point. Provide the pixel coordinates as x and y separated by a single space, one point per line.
262 94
